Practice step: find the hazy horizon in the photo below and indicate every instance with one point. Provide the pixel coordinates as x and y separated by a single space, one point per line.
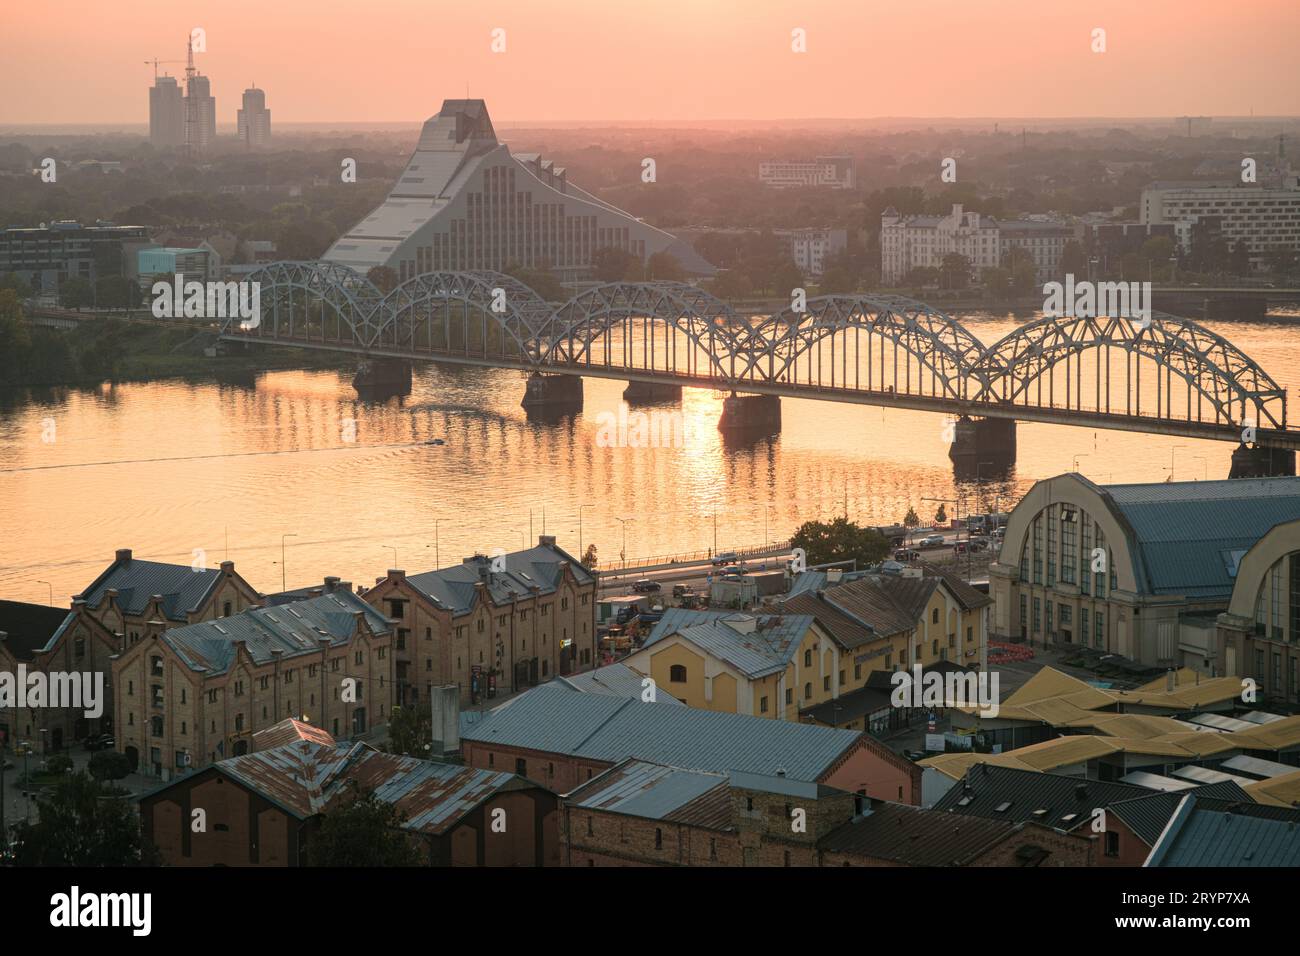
681 62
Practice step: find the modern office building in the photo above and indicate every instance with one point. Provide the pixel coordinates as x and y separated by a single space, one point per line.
253 121
200 113
169 262
466 202
832 172
47 255
1145 571
1266 218
166 112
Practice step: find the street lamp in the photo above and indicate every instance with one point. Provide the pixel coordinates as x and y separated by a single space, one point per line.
623 554
1205 468
1074 465
392 549
283 586
51 587
1171 460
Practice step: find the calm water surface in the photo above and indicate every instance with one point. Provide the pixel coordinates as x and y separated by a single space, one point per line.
173 468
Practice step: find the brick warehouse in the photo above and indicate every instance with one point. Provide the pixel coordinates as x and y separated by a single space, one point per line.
261 809
513 621
188 696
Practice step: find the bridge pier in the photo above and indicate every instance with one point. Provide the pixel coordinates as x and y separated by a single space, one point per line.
976 440
1261 461
549 392
750 413
383 377
651 393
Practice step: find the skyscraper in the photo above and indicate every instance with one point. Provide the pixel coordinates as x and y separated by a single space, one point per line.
200 113
166 112
254 120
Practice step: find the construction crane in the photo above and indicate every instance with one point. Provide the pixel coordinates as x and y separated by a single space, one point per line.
155 63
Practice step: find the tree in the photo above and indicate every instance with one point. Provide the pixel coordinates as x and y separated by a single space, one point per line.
911 519
1074 261
941 516
955 271
919 277
839 540
84 824
109 765
787 278
12 280
15 336
1239 258
730 284
383 278
1282 261
664 267
589 557
410 731
997 281
76 293
362 831
611 264
540 280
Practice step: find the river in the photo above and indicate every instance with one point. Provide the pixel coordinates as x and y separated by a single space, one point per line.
202 471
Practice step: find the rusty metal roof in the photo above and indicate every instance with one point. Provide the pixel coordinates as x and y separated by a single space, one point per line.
306 778
289 730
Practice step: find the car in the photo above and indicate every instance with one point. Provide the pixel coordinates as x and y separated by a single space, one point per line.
731 576
731 569
646 586
99 742
907 554
959 547
727 557
999 533
979 544
932 541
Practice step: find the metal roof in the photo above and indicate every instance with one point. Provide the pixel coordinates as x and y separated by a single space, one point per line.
1054 800
1188 536
916 837
182 588
30 628
613 680
1198 836
643 789
1257 767
755 645
455 588
294 629
555 720
1146 816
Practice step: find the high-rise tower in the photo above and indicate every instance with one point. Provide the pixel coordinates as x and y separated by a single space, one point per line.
166 112
254 120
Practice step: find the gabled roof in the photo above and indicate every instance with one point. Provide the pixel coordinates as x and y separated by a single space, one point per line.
30 628
1207 834
613 680
294 629
289 731
454 588
642 789
1147 816
914 837
755 645
183 589
556 720
1054 800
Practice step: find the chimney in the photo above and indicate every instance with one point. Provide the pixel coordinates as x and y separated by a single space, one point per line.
546 541
123 554
331 584
227 567
1169 681
833 575
780 771
445 701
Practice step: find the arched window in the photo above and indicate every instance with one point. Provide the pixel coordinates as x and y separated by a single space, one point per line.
677 674
934 616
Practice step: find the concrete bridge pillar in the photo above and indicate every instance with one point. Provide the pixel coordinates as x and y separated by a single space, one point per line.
1261 461
546 391
651 393
383 376
977 440
750 413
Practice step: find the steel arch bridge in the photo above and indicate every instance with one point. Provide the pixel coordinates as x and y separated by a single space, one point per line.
865 349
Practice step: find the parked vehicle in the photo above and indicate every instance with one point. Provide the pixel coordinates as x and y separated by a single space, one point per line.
734 577
932 541
907 554
979 544
646 586
959 547
99 742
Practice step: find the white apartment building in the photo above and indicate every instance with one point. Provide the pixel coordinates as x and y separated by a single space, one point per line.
1265 217
912 241
1044 239
811 248
835 172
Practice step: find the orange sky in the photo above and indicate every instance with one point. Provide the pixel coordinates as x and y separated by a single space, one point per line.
81 61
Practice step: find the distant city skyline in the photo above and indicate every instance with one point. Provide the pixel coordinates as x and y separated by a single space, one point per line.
677 59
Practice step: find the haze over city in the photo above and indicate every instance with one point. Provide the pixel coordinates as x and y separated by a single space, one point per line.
680 60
